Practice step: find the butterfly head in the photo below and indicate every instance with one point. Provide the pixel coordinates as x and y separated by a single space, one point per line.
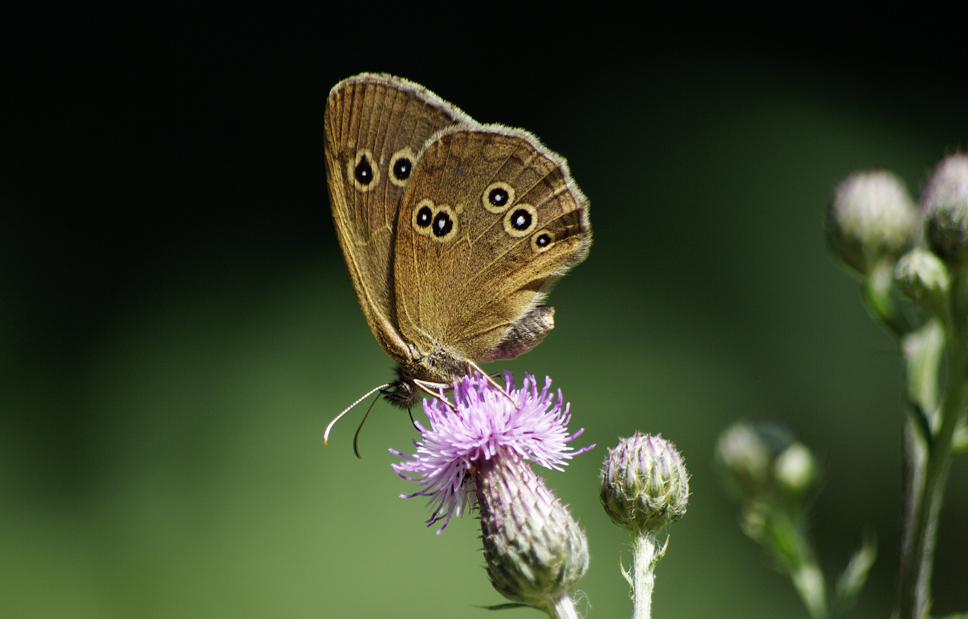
402 392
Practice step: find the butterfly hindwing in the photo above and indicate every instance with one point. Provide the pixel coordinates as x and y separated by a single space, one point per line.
489 220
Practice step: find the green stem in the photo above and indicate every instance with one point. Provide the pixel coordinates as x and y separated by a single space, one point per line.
809 582
923 351
877 298
915 457
645 554
926 483
564 608
788 541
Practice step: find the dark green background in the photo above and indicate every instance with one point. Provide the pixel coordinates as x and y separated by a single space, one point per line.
177 325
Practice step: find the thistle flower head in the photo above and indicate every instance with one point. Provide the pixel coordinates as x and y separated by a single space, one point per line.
871 219
534 551
475 453
484 423
944 204
924 278
644 484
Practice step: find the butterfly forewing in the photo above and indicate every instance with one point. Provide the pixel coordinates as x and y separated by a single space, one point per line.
375 127
489 220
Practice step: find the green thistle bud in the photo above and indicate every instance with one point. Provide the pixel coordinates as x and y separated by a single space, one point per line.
534 550
871 220
924 278
795 471
644 484
744 458
944 204
764 465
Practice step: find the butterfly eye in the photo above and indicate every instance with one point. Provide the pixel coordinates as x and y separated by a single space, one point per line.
401 166
362 172
542 240
498 197
423 216
521 221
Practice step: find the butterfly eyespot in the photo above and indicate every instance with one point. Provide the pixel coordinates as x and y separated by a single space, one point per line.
363 173
542 240
498 197
423 216
401 169
444 224
401 166
521 221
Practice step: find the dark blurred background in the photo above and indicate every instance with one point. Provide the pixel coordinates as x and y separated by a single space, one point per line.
177 325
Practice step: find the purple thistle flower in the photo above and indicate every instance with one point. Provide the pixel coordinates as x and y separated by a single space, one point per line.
482 425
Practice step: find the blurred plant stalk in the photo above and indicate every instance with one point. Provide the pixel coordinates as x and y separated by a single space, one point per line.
930 442
774 478
896 248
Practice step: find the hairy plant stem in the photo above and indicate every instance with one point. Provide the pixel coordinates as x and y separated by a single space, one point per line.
928 463
645 554
564 608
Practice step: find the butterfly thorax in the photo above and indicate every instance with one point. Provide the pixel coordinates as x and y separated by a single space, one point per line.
438 367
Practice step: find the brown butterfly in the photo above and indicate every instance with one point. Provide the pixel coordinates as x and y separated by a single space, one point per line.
453 231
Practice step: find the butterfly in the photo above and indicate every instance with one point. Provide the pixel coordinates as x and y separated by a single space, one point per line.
453 231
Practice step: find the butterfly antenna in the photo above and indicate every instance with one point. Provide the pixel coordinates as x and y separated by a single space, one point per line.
347 409
360 427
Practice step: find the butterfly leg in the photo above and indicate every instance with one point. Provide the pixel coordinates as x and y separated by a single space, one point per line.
473 366
430 387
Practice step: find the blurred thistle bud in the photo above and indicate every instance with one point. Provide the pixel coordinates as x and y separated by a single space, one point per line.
763 462
644 484
944 204
871 220
744 458
924 278
795 471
